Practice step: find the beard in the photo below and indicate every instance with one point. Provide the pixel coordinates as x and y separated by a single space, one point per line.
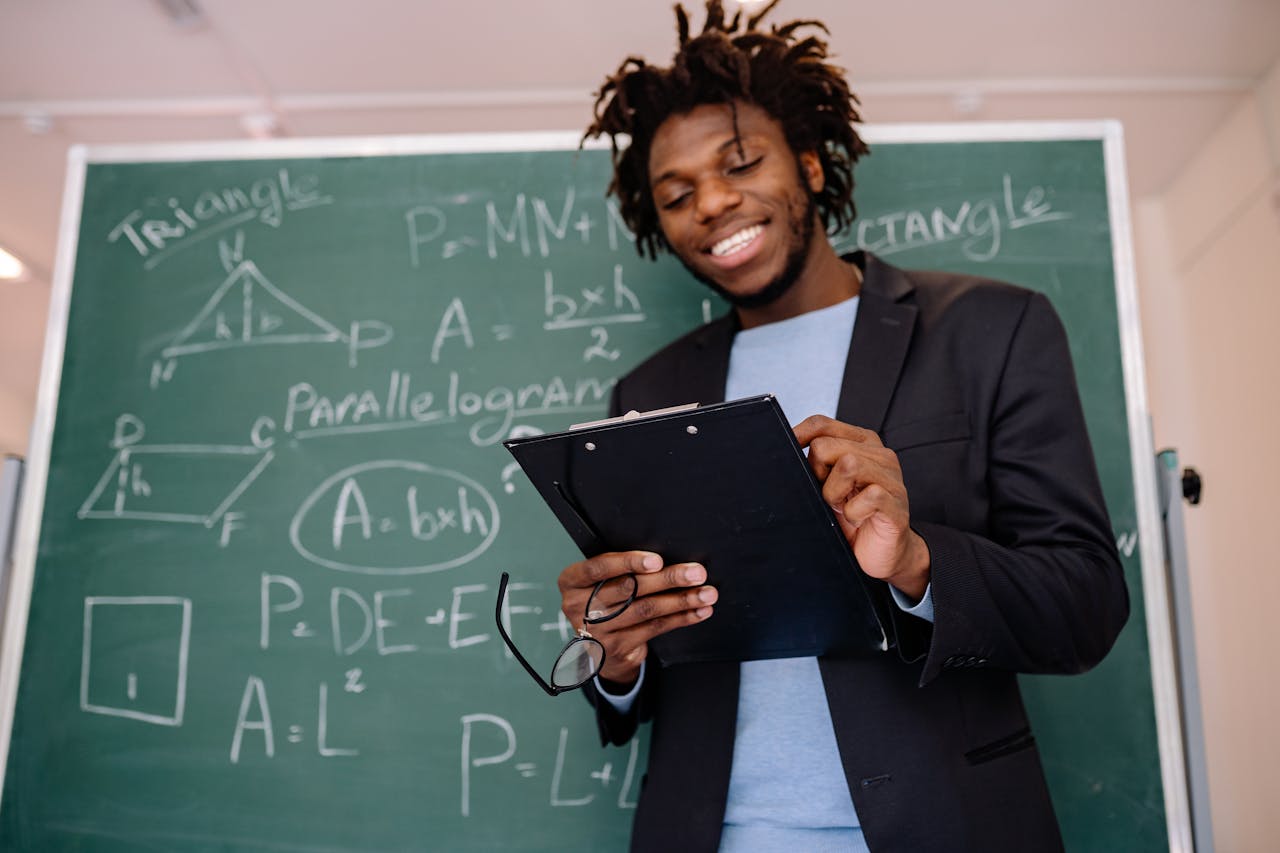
800 222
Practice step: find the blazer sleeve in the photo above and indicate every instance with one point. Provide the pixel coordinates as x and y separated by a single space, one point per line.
1043 590
617 728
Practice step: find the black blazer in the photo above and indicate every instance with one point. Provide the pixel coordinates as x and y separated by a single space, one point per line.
970 382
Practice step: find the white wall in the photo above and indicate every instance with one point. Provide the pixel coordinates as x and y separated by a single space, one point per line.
1208 255
23 306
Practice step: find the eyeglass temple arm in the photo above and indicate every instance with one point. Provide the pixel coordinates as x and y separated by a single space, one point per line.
580 514
497 615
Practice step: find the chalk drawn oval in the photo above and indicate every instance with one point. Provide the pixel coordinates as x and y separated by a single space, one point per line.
389 507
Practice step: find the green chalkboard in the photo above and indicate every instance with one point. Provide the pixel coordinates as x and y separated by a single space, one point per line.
269 504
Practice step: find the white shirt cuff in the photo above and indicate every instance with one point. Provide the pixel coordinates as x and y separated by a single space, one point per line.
622 704
922 609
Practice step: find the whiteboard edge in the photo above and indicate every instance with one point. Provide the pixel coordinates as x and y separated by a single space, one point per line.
988 131
548 140
340 146
31 501
1155 591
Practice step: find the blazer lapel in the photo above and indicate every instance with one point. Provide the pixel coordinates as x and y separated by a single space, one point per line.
706 365
881 336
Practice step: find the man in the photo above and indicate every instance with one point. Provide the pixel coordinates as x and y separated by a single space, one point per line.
939 413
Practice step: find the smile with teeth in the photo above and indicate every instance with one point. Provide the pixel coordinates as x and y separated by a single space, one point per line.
736 241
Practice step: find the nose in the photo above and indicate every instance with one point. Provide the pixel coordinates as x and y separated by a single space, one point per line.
713 196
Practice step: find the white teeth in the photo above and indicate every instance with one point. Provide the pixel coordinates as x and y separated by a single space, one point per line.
736 241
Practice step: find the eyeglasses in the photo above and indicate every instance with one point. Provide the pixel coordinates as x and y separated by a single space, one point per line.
583 657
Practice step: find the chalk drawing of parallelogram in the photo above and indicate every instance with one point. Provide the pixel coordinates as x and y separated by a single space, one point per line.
134 659
248 310
184 484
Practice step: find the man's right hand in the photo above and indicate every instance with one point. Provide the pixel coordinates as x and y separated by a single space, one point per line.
667 597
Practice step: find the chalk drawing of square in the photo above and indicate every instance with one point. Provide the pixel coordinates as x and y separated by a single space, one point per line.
134 661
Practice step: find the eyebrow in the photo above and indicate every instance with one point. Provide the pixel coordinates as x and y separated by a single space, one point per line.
731 142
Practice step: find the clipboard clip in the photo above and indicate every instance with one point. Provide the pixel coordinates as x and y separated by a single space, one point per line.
635 415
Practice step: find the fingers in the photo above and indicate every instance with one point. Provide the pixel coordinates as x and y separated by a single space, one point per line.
651 575
656 614
667 597
873 502
626 643
816 426
858 453
587 573
862 481
868 485
846 474
671 577
659 597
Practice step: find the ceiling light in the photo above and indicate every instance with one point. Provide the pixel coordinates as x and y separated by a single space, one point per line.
968 101
260 125
37 122
11 269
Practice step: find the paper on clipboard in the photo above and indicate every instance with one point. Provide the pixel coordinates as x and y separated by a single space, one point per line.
727 486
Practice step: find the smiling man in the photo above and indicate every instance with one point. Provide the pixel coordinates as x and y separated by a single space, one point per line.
941 416
736 207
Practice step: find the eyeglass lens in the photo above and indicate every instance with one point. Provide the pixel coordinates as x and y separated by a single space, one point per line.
578 663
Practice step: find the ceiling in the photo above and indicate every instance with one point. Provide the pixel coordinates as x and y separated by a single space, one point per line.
88 71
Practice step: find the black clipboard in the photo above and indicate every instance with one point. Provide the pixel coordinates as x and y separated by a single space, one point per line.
728 486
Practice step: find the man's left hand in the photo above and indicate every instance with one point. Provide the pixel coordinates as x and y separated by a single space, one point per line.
862 481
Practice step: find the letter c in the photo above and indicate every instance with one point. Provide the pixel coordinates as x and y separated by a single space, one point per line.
261 425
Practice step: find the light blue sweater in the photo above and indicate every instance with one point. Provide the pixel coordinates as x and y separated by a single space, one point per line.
787 789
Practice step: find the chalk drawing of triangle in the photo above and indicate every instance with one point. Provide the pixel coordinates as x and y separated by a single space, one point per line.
248 310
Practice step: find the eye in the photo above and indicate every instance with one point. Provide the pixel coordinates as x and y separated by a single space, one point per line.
675 203
745 168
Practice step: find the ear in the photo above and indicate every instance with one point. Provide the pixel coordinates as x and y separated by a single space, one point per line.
811 168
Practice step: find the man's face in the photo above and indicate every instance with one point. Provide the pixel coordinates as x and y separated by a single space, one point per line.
737 209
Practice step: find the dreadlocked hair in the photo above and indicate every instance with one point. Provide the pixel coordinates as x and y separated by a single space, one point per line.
731 61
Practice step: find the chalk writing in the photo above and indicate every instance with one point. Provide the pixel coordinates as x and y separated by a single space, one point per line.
977 224
386 622
489 740
395 517
527 224
254 715
134 658
248 310
453 324
162 226
600 346
592 306
309 413
151 482
1127 542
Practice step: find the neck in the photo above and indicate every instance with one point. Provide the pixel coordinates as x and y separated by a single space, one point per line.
826 280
